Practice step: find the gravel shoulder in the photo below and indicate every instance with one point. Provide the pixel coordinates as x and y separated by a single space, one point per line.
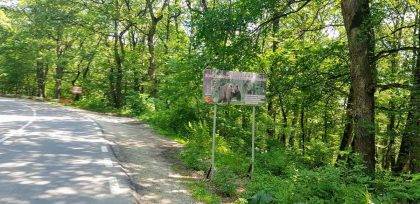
146 157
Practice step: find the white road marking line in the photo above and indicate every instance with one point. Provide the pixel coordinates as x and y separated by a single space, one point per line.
110 143
97 127
32 120
104 149
108 162
20 130
115 188
4 139
7 142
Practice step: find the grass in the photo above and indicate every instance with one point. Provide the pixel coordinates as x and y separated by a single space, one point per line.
160 131
200 191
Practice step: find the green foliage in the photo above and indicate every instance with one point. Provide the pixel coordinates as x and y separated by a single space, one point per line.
318 154
276 162
224 181
95 102
280 189
197 151
261 198
201 193
392 189
306 62
137 104
328 184
236 162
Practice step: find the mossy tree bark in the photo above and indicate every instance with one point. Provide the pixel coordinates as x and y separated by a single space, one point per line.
360 36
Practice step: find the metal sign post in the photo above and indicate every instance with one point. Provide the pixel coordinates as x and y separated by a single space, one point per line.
253 141
222 87
213 147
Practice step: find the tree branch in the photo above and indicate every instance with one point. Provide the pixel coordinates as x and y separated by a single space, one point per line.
160 13
396 30
384 87
385 53
282 14
125 29
188 2
320 28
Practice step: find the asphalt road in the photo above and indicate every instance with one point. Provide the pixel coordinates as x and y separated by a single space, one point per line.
52 155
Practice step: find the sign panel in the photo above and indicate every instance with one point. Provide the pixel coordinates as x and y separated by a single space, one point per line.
76 90
237 88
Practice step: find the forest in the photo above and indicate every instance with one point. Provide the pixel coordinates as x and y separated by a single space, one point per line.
341 120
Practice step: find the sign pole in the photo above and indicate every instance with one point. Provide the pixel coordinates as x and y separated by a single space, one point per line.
253 140
233 88
213 148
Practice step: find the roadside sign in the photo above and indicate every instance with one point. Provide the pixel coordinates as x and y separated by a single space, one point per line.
76 90
236 88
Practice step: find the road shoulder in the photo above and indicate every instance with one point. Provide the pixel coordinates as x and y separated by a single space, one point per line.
146 157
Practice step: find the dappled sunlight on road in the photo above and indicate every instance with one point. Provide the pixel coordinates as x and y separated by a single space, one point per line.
14 118
56 159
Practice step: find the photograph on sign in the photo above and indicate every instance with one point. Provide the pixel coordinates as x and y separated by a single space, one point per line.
237 88
76 90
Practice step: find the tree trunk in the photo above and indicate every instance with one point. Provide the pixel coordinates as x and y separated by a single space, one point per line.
152 60
293 132
415 126
302 128
136 73
389 157
151 44
325 138
360 36
405 154
111 80
409 155
284 122
271 131
347 138
41 74
118 65
59 72
167 30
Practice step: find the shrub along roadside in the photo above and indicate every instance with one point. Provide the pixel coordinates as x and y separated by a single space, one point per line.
288 178
283 175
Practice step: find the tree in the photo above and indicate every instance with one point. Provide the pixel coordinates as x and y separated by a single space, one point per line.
154 20
409 154
360 36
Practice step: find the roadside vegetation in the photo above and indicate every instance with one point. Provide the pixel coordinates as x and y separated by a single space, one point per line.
341 121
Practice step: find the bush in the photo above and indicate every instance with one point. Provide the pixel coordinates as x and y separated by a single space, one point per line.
137 104
196 152
396 189
238 164
224 181
280 189
318 154
195 158
276 162
95 102
327 184
177 120
261 198
200 192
